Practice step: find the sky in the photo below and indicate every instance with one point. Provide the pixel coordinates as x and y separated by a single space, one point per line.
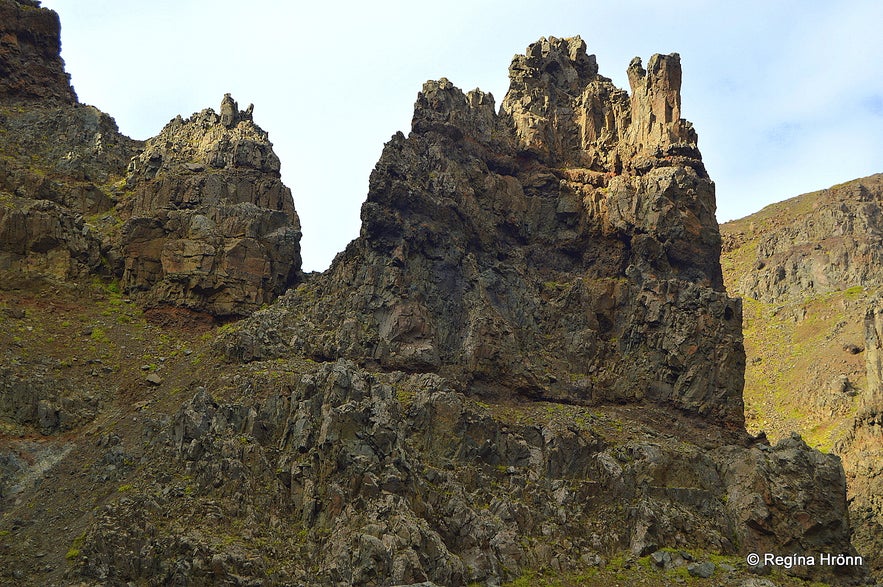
787 96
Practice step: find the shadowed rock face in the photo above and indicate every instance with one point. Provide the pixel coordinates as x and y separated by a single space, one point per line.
212 227
30 54
565 248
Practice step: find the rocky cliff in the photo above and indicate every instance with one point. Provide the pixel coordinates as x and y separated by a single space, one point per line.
862 448
211 226
546 250
820 242
525 367
195 218
30 54
57 156
810 269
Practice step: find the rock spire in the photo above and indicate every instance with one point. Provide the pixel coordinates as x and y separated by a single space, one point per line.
565 248
212 226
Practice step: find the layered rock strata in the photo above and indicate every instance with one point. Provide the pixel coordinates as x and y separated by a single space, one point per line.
211 226
564 248
58 158
199 219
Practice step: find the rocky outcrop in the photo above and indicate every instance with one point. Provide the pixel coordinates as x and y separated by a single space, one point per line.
59 158
862 450
359 479
39 237
211 226
202 220
41 401
527 360
30 54
812 265
547 250
834 242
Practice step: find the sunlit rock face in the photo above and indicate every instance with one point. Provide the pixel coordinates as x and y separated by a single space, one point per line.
211 226
58 158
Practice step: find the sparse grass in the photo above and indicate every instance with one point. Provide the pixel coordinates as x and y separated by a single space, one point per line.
74 551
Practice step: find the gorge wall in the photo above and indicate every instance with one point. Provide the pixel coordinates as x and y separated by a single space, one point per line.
810 271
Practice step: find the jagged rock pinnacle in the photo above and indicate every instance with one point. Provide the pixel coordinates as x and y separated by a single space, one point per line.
213 227
470 218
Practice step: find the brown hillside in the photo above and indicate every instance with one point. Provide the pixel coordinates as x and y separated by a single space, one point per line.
809 270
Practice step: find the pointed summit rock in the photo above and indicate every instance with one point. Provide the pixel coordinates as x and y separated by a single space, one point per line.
212 228
565 248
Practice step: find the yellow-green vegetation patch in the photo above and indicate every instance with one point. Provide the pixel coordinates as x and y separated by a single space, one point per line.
74 551
854 292
789 369
624 569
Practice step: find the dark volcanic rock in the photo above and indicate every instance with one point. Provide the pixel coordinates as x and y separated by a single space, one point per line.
566 248
43 402
212 227
202 220
557 260
354 478
30 54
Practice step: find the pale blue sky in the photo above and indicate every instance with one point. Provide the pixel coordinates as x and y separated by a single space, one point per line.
787 96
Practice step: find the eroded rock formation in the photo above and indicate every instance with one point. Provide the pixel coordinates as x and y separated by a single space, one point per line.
211 226
862 450
199 219
547 250
30 54
526 360
355 478
59 157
